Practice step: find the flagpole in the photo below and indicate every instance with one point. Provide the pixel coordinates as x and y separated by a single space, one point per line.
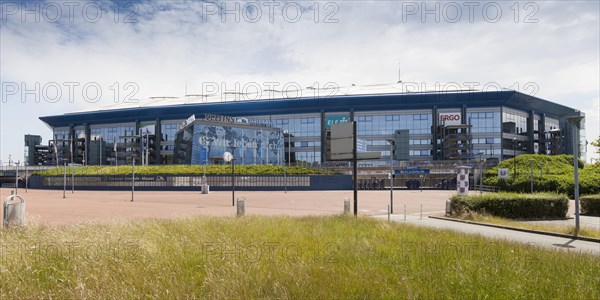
116 153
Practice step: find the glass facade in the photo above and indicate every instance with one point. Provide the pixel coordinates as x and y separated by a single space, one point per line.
486 131
515 132
495 132
102 140
168 133
377 127
301 137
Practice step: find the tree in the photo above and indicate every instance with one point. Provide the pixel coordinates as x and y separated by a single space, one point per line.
596 144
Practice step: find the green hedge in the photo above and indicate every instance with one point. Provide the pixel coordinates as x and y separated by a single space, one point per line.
590 205
181 170
556 175
512 205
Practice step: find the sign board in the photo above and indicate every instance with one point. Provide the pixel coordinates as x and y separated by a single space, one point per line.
341 131
401 145
235 120
187 122
361 145
332 120
342 144
502 173
411 172
450 118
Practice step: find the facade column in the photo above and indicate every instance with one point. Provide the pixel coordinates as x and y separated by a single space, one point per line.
86 150
434 131
542 134
530 133
157 139
323 137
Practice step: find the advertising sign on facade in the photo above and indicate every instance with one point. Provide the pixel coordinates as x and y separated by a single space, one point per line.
205 143
331 120
450 118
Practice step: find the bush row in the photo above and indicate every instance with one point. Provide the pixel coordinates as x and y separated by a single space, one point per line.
589 183
182 170
550 174
590 205
512 205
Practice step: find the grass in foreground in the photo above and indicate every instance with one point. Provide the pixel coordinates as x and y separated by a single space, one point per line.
564 229
282 257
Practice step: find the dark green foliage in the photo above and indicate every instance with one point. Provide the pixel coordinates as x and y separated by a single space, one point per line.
550 174
512 205
182 170
590 205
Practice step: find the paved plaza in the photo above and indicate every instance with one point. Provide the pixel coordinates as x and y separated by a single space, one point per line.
49 206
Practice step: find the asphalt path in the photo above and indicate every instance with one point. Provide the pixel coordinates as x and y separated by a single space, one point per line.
531 239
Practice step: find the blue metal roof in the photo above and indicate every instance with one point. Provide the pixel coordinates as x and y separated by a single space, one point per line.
377 102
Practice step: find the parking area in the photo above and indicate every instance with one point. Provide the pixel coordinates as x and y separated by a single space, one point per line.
49 207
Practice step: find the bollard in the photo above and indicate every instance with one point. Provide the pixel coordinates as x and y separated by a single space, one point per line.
404 212
241 206
13 212
388 212
448 207
205 188
421 218
347 206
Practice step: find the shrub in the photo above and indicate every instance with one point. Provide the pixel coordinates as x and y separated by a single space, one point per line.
181 170
556 176
512 205
590 205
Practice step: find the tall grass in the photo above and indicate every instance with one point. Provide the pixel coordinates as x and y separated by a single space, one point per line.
260 257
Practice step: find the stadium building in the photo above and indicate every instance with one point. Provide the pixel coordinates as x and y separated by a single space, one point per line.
277 127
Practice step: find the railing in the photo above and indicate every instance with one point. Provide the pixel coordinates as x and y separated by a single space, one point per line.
194 182
485 188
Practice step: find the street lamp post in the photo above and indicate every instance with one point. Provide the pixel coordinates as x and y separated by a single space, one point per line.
17 177
65 179
228 157
26 177
531 174
132 177
392 142
480 173
233 181
514 159
576 121
284 173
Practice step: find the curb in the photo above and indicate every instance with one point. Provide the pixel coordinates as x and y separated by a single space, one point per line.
583 238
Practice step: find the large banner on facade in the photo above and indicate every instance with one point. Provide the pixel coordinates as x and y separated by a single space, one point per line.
249 145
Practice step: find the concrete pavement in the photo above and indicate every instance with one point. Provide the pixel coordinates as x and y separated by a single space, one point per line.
549 242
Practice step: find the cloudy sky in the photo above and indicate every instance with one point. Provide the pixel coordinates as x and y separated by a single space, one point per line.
58 57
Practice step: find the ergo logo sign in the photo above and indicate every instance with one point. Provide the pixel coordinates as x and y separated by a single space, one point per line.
450 118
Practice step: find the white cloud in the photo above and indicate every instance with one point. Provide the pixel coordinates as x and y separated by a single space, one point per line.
171 45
